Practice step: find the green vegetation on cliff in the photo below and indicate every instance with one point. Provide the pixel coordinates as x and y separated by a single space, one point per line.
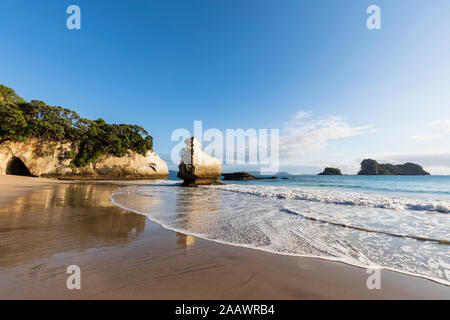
21 120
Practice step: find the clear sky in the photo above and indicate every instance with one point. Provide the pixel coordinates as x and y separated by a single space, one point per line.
337 91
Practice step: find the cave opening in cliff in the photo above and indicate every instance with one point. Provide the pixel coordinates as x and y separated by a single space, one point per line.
16 167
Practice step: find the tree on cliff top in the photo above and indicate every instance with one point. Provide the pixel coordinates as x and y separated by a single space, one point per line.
21 120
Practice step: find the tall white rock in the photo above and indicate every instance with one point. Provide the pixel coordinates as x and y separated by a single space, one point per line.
196 167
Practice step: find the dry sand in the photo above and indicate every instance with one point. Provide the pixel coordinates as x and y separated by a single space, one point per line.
47 225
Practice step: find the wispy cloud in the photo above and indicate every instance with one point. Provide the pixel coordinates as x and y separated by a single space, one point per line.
304 134
435 130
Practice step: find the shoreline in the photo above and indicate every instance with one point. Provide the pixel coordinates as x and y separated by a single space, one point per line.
124 255
14 186
324 258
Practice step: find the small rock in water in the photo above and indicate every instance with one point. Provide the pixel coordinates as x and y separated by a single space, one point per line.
243 176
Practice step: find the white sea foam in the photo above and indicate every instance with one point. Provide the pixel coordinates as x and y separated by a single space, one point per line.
341 198
261 217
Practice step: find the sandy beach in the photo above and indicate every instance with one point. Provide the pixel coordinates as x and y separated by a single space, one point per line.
47 225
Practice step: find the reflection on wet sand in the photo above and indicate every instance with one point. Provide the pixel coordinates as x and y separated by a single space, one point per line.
185 240
195 210
63 218
123 257
195 206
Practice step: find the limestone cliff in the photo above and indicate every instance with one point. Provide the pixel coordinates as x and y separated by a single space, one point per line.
51 141
53 160
196 167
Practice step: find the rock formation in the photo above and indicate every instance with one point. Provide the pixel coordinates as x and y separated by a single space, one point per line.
196 167
50 141
243 176
331 172
372 167
38 159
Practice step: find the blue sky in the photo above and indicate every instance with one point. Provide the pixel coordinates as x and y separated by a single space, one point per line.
247 64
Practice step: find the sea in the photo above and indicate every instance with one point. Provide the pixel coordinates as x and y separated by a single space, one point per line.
398 223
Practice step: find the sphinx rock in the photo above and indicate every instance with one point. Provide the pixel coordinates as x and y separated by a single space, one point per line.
36 158
196 167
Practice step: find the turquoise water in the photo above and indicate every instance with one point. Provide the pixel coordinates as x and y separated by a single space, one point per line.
424 187
400 223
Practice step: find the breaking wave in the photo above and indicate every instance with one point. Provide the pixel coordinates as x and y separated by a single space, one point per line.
341 198
350 228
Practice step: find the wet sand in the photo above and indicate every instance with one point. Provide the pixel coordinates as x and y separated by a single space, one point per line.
46 225
13 186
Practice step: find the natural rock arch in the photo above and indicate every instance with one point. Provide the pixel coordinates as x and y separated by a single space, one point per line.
16 167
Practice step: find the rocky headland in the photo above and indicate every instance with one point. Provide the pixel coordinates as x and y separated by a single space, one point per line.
33 159
372 167
46 141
